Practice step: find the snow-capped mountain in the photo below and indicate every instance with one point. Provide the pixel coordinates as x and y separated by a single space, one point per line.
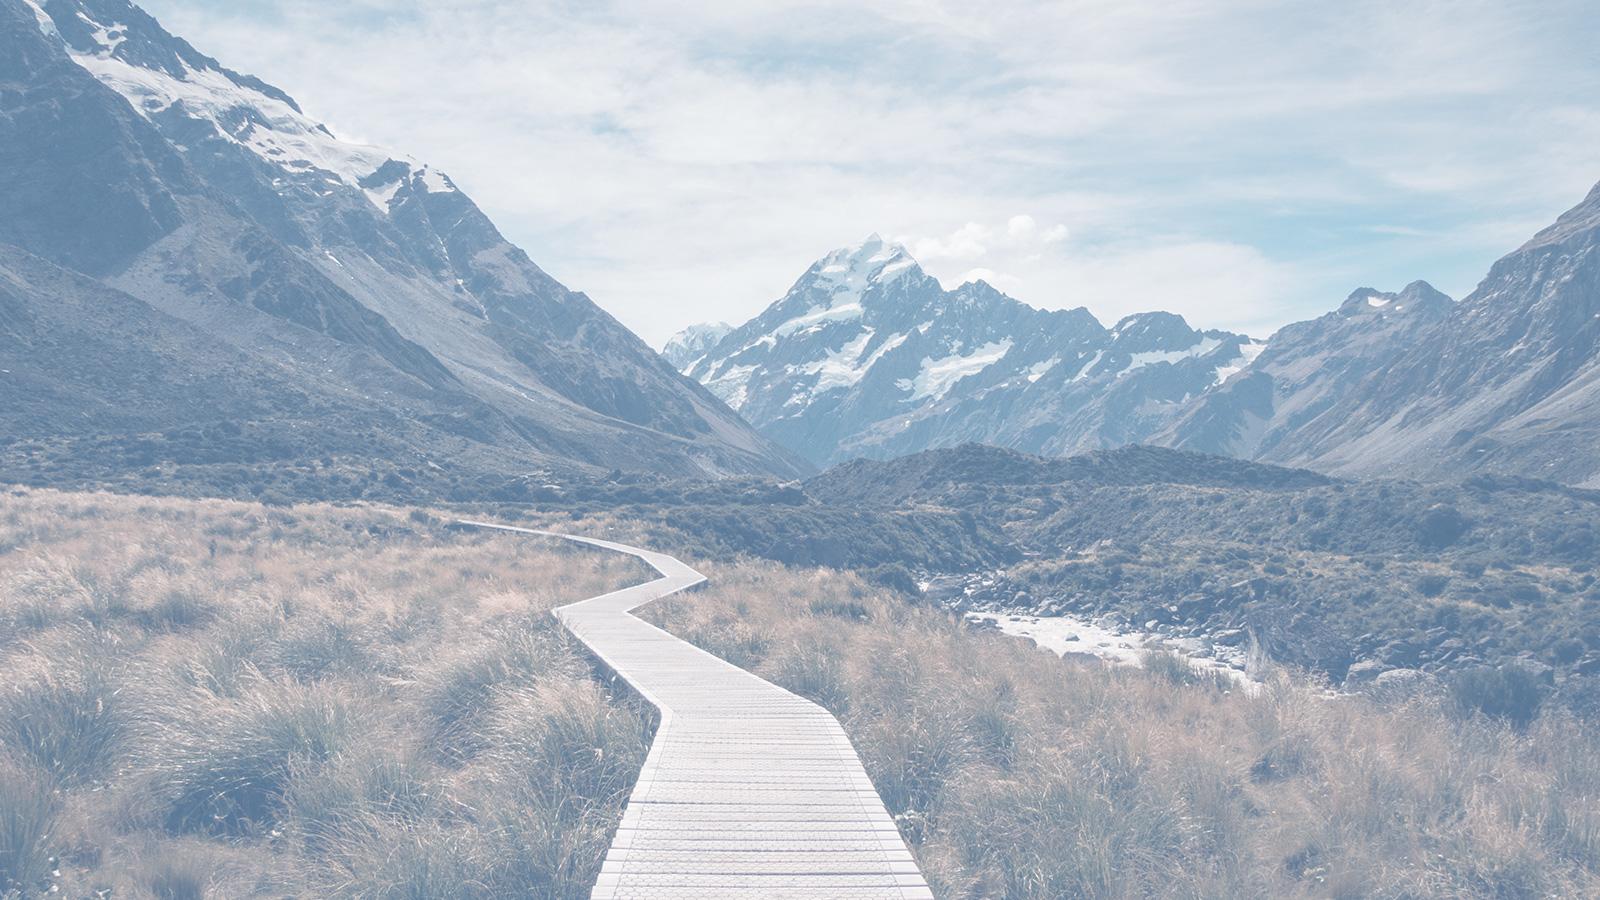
686 347
867 355
335 276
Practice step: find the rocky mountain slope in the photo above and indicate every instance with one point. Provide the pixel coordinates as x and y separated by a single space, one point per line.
1507 380
346 305
868 356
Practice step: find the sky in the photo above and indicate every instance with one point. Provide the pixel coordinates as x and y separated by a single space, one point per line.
1243 163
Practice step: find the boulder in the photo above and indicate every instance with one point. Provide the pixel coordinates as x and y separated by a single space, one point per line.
1365 672
1229 637
1404 684
1542 672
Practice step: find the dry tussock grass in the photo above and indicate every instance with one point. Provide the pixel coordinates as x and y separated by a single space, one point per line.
219 699
1017 774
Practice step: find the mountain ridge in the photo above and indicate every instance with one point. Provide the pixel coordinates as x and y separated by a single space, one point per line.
868 355
1387 384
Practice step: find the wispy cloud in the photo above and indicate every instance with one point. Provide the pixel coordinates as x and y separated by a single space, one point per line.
1243 162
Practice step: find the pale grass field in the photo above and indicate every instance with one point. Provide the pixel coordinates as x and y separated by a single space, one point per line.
1017 774
213 699
216 699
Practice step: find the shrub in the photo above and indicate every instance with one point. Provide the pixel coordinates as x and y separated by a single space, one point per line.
1440 527
1432 585
459 695
1511 693
226 771
843 609
813 672
67 720
1567 650
567 742
364 789
384 860
735 642
176 610
27 816
179 876
316 647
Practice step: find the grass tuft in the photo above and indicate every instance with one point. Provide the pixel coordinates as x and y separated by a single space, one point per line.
67 718
226 771
28 810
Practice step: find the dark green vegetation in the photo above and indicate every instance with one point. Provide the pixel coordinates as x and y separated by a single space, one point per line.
1326 574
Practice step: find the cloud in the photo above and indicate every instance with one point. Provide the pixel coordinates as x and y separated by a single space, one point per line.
685 161
1020 237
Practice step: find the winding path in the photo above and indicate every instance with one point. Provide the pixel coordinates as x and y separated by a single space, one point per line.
748 790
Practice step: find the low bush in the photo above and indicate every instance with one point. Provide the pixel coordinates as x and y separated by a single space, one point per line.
68 718
28 809
225 770
1511 693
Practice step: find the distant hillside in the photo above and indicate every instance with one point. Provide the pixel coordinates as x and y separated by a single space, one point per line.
926 476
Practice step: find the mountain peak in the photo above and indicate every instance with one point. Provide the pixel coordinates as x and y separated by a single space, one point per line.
1153 329
689 345
1416 295
872 260
1421 292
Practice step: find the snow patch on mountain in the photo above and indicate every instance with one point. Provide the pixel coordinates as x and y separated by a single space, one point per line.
938 376
842 309
1248 351
383 195
1089 366
840 368
269 126
844 277
46 25
1039 369
845 368
1139 360
732 385
874 261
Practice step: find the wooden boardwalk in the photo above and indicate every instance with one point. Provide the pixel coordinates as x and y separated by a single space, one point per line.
748 790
